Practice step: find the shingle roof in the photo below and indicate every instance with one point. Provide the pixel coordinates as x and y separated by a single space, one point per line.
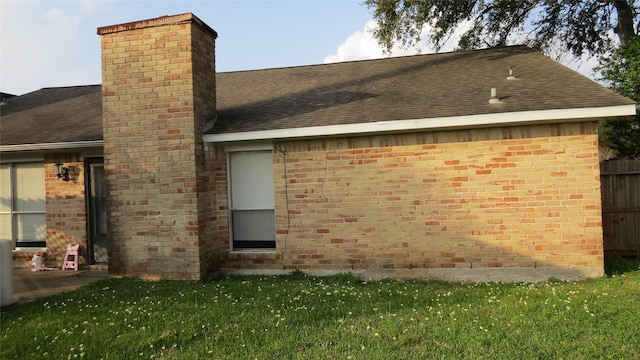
5 96
412 87
52 115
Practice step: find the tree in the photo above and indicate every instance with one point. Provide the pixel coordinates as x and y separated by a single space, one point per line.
579 25
621 70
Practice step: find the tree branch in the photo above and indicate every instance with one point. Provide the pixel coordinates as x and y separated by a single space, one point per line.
625 28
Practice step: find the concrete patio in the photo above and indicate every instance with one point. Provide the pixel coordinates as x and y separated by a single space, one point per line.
29 285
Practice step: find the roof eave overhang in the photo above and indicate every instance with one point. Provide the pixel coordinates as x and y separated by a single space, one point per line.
52 146
432 124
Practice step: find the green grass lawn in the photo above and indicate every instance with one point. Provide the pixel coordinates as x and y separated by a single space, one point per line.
341 317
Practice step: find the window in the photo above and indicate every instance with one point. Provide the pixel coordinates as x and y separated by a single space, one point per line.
252 205
22 204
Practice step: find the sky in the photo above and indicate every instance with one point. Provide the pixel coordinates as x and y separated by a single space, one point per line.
46 43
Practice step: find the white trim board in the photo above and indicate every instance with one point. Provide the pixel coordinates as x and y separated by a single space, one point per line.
52 146
442 123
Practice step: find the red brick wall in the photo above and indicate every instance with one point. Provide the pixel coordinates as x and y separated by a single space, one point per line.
66 218
520 197
502 198
66 212
204 94
153 109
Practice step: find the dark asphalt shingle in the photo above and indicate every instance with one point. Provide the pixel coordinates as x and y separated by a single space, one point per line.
411 87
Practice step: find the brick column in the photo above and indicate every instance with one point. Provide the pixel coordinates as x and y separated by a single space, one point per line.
158 85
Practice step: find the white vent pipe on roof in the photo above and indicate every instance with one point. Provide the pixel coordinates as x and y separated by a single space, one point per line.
494 97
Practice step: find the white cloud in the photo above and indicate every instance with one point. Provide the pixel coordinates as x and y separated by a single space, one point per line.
362 45
46 43
359 46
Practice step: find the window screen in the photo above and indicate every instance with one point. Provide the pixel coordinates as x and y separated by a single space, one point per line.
252 200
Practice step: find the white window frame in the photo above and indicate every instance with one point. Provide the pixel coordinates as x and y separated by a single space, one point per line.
14 213
264 204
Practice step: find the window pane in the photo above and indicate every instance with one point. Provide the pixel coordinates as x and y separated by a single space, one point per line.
98 201
5 188
253 225
5 227
29 187
251 180
30 227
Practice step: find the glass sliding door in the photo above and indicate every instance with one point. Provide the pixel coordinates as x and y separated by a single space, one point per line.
97 204
22 204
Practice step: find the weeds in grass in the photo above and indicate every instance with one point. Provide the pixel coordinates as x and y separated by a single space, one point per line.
303 317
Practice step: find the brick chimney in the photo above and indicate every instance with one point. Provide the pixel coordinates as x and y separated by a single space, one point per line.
158 92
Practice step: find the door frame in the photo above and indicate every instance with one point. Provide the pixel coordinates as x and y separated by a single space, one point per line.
90 216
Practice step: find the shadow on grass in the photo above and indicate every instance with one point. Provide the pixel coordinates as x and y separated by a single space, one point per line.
618 265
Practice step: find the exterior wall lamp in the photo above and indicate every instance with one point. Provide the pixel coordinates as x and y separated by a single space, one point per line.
62 172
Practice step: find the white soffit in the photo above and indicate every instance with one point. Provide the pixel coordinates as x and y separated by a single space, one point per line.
52 146
468 121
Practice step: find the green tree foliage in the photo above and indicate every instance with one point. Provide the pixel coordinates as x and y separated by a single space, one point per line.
622 71
579 25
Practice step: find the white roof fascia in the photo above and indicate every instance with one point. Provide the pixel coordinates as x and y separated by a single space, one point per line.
52 146
466 121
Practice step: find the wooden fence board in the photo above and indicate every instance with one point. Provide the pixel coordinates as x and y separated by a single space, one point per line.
620 188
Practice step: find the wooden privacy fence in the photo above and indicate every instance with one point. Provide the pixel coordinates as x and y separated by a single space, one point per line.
620 181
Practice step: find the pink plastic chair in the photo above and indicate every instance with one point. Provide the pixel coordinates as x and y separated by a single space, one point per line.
71 257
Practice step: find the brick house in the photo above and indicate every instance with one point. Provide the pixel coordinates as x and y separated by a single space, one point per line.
479 165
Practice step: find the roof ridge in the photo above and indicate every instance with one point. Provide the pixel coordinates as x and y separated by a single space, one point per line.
387 58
